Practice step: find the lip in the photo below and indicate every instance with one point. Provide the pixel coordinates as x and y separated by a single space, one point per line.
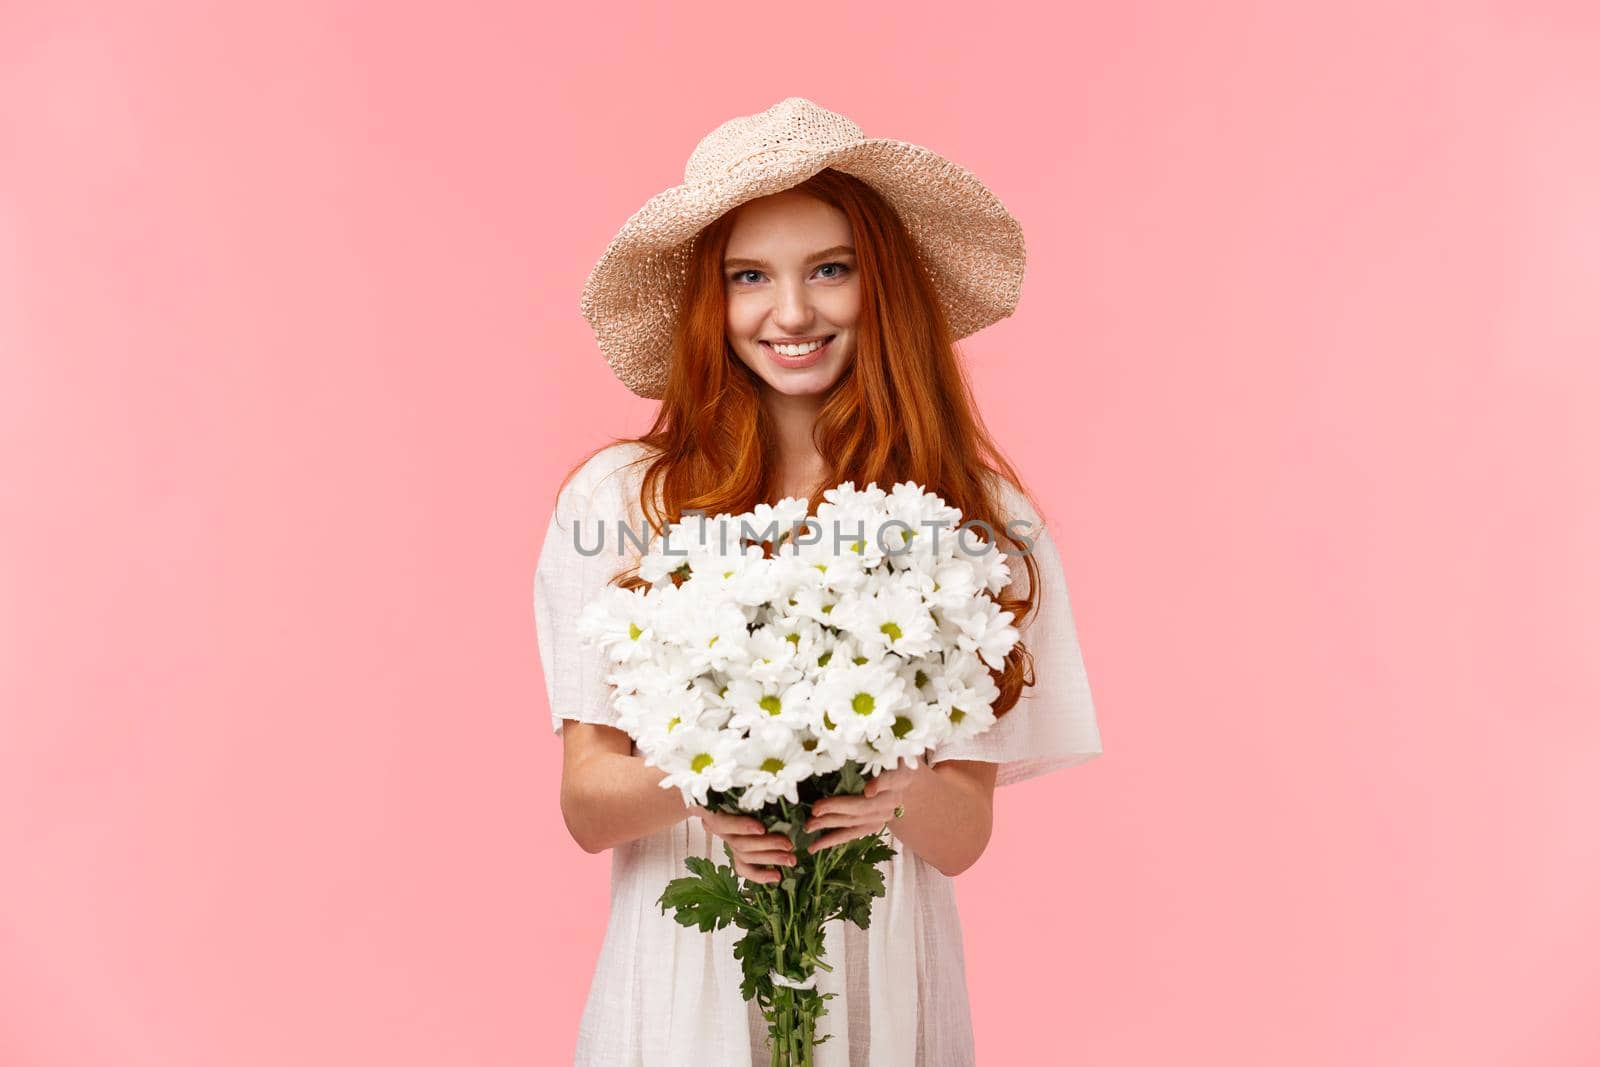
796 362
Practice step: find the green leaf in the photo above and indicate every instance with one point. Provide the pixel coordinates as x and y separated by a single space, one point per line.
756 951
710 898
850 780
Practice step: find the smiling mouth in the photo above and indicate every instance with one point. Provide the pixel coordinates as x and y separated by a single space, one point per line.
806 349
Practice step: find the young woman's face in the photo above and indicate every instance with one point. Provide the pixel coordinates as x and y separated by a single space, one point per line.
791 281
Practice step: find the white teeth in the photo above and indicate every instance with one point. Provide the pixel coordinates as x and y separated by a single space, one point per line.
797 350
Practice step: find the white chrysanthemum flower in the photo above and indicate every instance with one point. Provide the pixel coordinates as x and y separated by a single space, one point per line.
838 572
775 658
772 764
814 602
919 527
841 653
854 702
846 495
853 528
747 577
711 547
670 552
916 728
953 583
752 704
666 670
893 619
701 760
966 693
824 758
657 568
988 631
918 674
776 523
712 630
622 622
805 636
653 720
991 567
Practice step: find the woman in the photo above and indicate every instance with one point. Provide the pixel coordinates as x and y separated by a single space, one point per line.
794 306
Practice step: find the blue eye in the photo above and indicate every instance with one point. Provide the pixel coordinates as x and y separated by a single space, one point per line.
738 276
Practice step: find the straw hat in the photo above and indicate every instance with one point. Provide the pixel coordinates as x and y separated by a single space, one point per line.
967 240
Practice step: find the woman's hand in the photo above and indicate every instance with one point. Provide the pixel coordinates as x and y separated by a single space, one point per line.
848 817
757 852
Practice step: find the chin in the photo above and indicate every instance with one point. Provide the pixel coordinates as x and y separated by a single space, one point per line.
805 384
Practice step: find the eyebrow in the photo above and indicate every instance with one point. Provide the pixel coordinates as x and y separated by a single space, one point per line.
836 250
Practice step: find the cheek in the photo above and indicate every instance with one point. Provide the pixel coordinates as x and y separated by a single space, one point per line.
742 318
845 307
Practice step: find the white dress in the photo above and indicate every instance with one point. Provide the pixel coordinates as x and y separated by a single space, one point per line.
666 995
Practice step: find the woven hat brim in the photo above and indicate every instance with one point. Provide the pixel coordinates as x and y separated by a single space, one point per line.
970 244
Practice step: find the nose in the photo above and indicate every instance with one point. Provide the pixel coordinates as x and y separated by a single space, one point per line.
792 313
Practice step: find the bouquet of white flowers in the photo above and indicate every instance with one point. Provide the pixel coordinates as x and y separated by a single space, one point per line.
775 659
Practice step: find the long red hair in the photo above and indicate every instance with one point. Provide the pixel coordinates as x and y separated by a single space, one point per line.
902 410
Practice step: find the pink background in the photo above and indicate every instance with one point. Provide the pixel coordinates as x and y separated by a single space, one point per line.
1305 369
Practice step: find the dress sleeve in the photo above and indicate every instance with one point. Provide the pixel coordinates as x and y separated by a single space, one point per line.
565 579
1053 724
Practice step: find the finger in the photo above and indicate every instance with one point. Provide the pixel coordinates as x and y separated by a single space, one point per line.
770 864
842 802
836 805
767 859
755 874
839 837
892 780
890 793
867 811
725 824
757 850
